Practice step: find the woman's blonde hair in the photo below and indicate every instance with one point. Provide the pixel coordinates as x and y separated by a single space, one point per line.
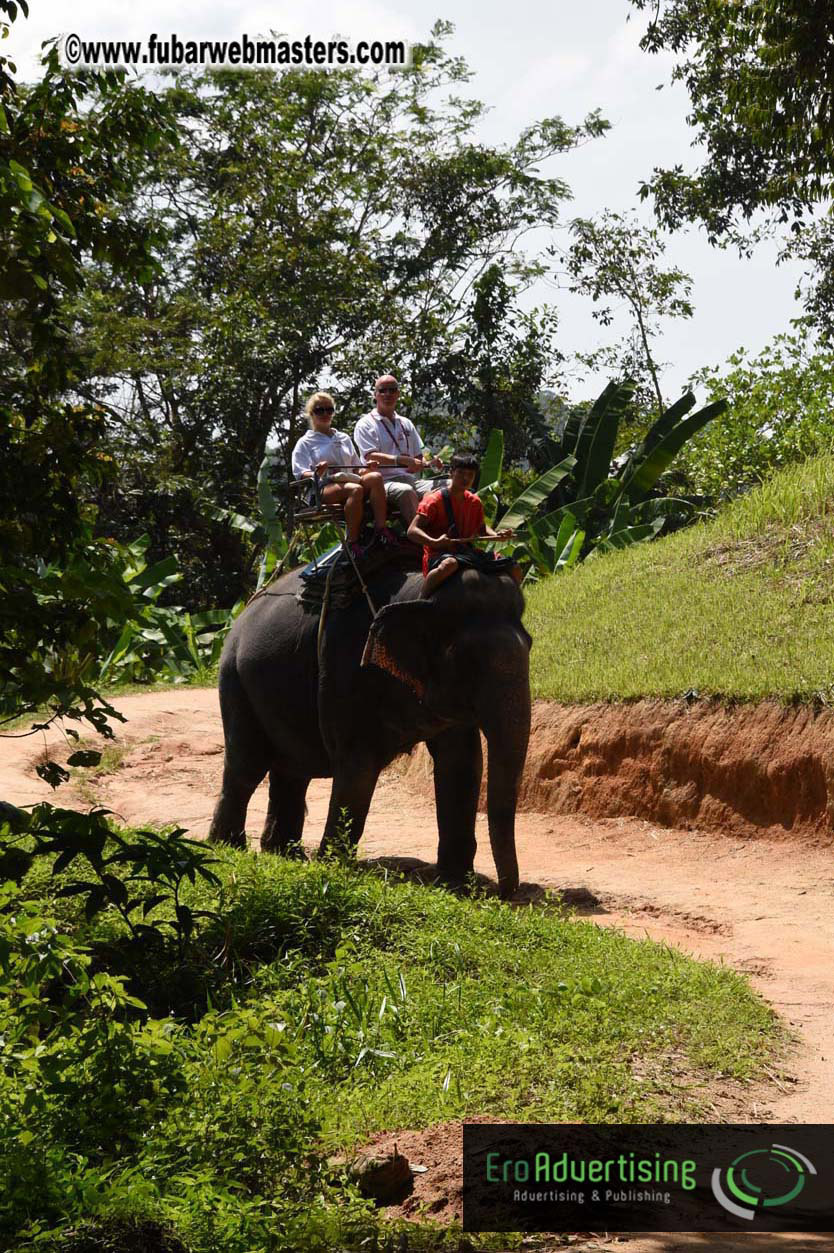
316 399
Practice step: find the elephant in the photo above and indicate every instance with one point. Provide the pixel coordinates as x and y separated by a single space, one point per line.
342 701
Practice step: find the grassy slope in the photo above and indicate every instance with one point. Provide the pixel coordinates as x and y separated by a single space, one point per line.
737 608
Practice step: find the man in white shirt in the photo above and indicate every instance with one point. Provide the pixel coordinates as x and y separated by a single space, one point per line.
393 445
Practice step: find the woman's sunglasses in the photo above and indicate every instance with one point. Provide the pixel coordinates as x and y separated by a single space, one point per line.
323 409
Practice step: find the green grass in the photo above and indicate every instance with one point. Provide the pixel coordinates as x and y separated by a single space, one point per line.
739 608
325 1003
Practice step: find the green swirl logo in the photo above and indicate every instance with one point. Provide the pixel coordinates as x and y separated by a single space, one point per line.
749 1180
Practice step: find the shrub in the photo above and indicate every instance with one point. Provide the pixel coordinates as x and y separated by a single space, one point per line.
781 410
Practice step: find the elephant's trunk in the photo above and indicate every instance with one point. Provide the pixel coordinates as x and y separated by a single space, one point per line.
506 725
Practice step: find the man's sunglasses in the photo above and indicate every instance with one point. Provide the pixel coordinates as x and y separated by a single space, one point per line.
380 390
323 409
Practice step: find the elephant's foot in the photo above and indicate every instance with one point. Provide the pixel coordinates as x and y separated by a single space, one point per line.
292 849
228 823
508 886
456 877
285 815
235 839
337 846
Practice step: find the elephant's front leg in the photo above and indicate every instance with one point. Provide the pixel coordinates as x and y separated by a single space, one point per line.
458 765
354 780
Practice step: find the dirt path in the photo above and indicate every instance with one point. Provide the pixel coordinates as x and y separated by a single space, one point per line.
764 907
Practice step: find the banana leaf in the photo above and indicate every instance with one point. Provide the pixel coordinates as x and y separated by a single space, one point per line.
566 543
153 578
276 543
120 649
657 507
646 473
138 547
539 554
665 423
210 620
629 535
525 505
570 435
668 420
570 553
566 528
549 523
491 465
237 521
606 492
492 460
269 509
595 446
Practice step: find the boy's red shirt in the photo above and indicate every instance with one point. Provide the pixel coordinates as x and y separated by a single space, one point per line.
468 512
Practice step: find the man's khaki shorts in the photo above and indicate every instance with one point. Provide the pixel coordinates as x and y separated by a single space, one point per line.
404 493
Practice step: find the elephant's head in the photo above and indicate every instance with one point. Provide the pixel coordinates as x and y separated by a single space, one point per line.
464 655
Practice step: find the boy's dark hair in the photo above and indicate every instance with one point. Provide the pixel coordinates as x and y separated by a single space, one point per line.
465 461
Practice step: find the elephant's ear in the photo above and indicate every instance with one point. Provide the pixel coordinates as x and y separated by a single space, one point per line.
398 643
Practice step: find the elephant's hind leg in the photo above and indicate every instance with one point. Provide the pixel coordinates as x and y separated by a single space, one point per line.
247 759
285 815
228 825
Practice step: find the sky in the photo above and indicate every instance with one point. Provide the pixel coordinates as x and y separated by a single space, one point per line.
531 59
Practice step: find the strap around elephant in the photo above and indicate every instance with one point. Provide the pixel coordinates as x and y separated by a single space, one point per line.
452 527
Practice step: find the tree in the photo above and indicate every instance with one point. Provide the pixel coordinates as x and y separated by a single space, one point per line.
815 246
493 375
759 75
781 410
310 228
67 147
615 261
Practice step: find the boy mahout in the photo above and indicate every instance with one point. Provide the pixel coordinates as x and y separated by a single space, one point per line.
447 521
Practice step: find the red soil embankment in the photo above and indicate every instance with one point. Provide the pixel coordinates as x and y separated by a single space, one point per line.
747 770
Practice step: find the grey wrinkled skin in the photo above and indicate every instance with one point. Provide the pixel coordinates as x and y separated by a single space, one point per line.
440 671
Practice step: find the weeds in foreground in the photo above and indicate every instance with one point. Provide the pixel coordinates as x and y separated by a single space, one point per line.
311 1005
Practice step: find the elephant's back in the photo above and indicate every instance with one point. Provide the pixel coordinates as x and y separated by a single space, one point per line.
273 621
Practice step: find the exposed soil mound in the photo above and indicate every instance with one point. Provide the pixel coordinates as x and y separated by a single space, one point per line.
746 770
436 1157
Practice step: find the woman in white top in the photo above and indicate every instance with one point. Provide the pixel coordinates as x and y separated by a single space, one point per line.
320 452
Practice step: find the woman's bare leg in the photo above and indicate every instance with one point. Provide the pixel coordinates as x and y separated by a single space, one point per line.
351 496
374 489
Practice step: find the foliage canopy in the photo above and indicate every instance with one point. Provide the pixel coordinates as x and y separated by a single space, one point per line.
759 75
68 148
311 227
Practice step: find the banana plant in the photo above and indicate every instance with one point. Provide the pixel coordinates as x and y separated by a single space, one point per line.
161 639
604 506
616 503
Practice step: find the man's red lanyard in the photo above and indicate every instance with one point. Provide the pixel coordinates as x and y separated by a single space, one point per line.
394 440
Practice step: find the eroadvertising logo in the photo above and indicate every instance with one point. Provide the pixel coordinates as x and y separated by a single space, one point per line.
740 1179
663 1177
